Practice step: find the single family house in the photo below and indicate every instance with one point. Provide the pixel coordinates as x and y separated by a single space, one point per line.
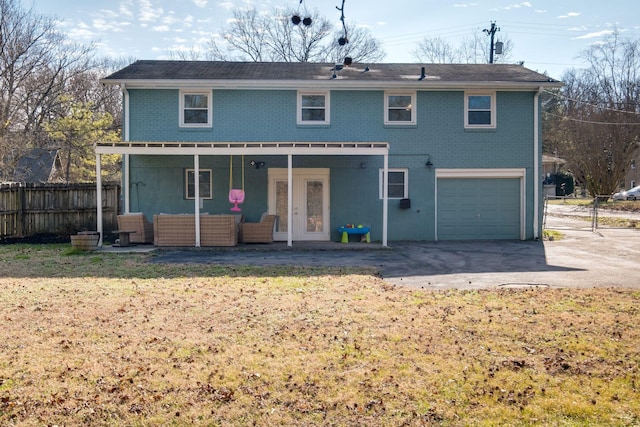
411 151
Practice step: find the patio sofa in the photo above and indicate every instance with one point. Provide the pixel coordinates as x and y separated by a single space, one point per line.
179 230
258 232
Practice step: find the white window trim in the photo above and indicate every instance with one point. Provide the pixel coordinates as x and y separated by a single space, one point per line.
327 108
414 104
406 183
493 110
209 95
186 183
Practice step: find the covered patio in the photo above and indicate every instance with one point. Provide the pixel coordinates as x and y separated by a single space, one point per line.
197 149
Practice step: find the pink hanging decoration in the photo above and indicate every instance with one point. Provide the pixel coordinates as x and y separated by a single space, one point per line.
236 196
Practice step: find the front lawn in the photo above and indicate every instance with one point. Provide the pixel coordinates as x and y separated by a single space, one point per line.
105 339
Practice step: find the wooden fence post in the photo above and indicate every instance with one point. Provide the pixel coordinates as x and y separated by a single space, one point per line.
20 219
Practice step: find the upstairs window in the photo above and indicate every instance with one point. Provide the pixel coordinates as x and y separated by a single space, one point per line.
397 184
313 108
399 108
480 110
195 109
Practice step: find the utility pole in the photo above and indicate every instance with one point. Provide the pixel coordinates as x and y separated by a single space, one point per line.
491 32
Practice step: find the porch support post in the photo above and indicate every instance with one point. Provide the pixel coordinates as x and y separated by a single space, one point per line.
127 185
289 200
385 199
196 198
536 164
99 199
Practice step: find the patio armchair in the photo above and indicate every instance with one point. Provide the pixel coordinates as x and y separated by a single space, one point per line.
136 222
258 232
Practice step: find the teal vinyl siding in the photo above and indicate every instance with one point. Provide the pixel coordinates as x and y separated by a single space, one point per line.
271 115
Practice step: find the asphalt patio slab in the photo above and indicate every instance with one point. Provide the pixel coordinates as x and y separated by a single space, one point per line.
582 258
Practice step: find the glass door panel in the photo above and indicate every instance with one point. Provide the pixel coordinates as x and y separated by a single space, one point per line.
315 206
281 206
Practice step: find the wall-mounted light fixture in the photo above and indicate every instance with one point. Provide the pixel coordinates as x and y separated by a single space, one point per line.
429 164
256 164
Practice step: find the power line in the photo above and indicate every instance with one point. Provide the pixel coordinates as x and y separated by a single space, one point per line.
589 104
593 122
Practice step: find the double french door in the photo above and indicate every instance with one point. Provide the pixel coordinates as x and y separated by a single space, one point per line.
310 203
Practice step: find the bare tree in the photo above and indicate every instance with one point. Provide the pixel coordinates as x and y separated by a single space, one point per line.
288 42
435 50
595 123
275 36
474 49
36 64
362 47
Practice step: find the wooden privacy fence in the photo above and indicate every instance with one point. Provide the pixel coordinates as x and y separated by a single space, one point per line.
30 209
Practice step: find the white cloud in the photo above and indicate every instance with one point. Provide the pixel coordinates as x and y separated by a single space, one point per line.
226 5
569 15
595 35
148 12
161 28
107 13
200 3
465 5
170 19
125 8
81 31
518 5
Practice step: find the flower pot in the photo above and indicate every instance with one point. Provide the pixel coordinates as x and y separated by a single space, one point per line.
85 240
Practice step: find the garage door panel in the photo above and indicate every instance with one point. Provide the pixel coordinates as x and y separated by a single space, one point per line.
478 208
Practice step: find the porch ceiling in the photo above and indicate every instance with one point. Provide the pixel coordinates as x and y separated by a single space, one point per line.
231 148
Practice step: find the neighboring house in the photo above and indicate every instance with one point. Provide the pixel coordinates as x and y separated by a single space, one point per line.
460 145
632 177
551 165
39 165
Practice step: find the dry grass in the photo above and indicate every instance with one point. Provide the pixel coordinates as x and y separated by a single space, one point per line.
106 340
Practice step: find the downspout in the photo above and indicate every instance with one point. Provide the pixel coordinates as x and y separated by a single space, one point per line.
385 199
536 163
99 199
125 118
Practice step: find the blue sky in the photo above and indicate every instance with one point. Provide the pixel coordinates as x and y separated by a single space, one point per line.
548 35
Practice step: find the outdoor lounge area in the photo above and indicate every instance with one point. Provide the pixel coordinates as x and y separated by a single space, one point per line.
179 230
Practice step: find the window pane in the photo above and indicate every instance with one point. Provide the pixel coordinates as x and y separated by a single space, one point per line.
195 116
313 115
399 115
397 101
480 103
396 191
313 101
205 184
479 117
395 177
195 101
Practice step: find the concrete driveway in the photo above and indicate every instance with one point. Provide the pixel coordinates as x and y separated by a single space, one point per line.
608 257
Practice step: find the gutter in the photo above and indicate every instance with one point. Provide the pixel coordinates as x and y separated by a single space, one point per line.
328 84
